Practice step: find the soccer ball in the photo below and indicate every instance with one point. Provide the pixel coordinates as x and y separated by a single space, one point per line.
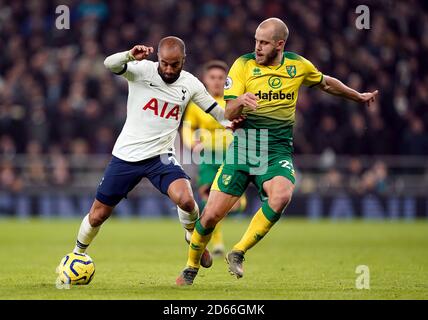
76 268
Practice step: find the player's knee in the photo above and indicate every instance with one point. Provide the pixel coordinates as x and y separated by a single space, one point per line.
210 220
98 215
95 219
186 202
211 217
279 200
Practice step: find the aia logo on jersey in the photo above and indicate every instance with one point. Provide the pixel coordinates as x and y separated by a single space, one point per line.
163 111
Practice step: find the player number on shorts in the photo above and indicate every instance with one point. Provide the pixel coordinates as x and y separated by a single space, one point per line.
286 164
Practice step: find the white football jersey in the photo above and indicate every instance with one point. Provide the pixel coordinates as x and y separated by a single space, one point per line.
154 110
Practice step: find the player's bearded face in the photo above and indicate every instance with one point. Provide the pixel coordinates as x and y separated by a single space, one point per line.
266 52
267 58
169 70
266 48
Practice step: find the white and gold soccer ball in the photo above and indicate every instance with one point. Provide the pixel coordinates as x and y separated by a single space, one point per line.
76 268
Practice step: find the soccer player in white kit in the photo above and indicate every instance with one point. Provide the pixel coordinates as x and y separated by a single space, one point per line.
158 95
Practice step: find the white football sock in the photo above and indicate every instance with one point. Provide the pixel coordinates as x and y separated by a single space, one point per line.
188 219
85 236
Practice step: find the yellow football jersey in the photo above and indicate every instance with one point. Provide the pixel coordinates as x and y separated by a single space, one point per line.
276 88
211 133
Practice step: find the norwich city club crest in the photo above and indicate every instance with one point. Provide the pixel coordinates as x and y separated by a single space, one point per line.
291 70
226 179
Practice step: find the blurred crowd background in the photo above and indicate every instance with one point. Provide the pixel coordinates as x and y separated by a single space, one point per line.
59 105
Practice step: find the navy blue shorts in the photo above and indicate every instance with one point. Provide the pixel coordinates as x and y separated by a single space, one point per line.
120 177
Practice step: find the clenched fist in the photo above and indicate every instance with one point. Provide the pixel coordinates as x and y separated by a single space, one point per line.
140 52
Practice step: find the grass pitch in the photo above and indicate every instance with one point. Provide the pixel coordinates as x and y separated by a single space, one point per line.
298 259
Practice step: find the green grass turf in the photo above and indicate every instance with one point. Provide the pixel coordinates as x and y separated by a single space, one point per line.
298 259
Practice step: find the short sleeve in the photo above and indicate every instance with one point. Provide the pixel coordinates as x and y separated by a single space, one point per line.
313 77
235 82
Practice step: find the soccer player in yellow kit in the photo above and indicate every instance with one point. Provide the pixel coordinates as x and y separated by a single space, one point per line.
263 86
201 133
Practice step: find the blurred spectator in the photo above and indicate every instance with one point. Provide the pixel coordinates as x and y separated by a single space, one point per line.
9 178
104 140
7 147
327 135
354 173
375 179
38 125
300 141
35 168
93 8
60 175
331 181
380 140
65 124
415 138
356 141
79 148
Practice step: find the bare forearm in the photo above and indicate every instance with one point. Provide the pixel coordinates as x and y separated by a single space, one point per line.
233 109
336 87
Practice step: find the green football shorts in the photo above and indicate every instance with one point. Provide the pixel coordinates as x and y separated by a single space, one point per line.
211 161
207 173
234 178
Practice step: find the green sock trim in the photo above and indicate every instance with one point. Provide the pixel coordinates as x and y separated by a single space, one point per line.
202 206
201 230
269 213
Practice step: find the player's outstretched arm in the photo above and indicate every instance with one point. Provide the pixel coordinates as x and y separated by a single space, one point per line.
336 87
117 62
235 107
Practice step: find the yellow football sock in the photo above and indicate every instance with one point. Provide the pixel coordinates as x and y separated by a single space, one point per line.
259 226
200 238
217 236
